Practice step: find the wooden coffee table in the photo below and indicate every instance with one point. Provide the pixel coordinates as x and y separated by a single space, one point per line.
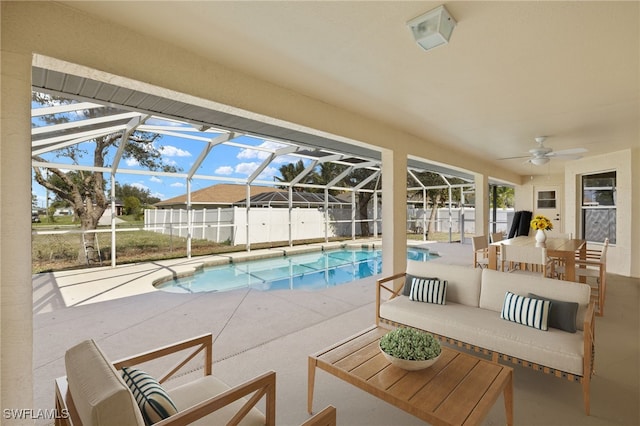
459 389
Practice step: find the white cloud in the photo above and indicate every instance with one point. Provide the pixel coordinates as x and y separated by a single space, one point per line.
157 195
224 170
250 154
172 151
131 162
286 159
140 186
246 168
155 179
177 185
269 173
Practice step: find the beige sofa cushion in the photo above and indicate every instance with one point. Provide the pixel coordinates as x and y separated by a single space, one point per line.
495 285
463 283
99 393
484 328
196 391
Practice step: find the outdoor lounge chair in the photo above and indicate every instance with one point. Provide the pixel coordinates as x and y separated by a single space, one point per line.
95 393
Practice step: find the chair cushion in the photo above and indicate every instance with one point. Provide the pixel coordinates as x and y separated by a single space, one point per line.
100 395
526 311
428 290
155 404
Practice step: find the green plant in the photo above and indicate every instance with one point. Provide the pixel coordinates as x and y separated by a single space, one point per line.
411 344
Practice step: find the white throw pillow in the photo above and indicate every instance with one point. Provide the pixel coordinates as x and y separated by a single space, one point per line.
428 290
526 310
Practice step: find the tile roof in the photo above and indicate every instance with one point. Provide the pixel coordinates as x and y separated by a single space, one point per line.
223 193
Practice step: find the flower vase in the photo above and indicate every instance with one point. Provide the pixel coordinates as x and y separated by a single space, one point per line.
541 237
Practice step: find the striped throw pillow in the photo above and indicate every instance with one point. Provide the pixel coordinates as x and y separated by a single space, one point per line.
154 402
428 290
526 310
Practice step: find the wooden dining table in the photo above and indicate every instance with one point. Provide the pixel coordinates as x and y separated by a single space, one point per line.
564 249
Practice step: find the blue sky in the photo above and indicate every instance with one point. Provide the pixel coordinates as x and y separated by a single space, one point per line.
225 161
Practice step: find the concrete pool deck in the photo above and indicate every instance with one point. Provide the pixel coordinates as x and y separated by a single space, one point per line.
255 331
99 284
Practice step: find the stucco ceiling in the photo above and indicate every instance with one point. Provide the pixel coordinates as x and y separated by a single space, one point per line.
512 71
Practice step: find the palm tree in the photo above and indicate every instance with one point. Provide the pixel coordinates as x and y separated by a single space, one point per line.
289 172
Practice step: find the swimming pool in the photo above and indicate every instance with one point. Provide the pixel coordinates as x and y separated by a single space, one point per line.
307 271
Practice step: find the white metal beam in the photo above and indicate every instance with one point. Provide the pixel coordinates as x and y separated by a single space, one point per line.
83 123
56 146
305 172
131 127
88 135
367 180
207 149
58 109
260 168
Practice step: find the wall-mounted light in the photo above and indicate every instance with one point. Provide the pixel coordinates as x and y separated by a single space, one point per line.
433 28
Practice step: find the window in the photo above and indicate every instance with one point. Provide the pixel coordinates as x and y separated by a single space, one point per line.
546 199
599 207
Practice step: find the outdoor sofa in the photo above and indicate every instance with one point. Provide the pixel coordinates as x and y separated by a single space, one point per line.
471 315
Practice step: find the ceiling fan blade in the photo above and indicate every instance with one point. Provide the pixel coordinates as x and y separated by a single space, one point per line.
514 158
567 157
567 152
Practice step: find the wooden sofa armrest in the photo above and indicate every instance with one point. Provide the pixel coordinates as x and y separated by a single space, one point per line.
326 417
260 386
200 343
380 286
588 367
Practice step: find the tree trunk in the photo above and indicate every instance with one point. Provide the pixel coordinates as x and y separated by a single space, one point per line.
89 217
433 214
363 213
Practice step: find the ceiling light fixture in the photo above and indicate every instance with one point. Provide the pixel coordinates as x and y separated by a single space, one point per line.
433 28
539 161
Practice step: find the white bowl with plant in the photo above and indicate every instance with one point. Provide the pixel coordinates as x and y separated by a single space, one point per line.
410 349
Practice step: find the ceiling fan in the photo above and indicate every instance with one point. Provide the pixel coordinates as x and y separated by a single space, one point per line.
542 154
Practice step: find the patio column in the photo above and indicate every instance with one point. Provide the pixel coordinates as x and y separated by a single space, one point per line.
482 204
16 291
394 211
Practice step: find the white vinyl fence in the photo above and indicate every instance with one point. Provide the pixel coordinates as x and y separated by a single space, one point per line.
265 224
280 224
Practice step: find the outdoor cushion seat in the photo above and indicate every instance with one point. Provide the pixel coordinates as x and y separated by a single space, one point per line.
533 321
94 392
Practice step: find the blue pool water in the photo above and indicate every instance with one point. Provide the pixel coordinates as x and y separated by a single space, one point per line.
307 271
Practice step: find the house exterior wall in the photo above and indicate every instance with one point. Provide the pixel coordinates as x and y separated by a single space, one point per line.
620 256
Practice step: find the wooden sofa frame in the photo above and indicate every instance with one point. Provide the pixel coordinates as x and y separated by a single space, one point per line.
589 342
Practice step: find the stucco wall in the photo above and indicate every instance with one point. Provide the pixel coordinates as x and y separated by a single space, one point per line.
110 53
619 257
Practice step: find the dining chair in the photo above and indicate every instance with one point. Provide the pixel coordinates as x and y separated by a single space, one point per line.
592 266
497 236
480 251
526 259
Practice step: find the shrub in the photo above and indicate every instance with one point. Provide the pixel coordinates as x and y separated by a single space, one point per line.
411 344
